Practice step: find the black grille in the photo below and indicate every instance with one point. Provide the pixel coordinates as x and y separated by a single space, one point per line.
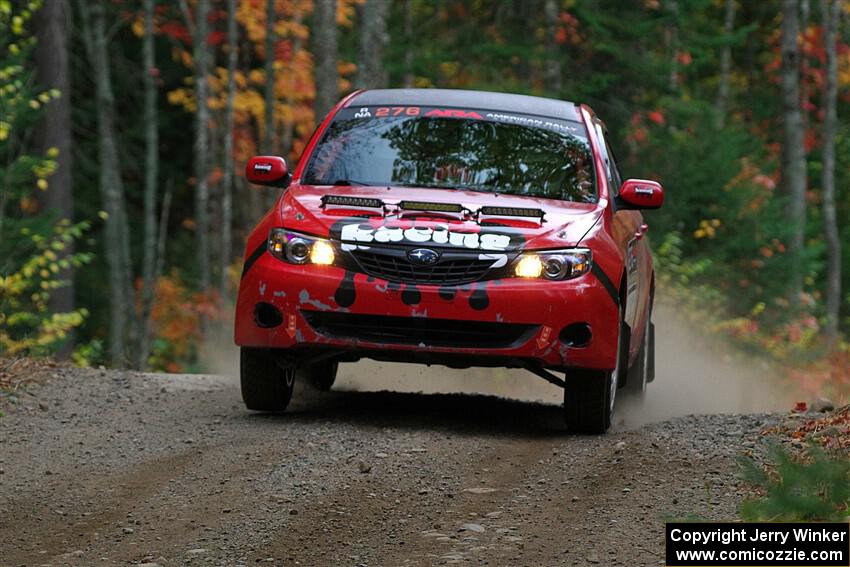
394 266
419 330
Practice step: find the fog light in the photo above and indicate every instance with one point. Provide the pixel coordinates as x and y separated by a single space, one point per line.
577 335
322 253
529 267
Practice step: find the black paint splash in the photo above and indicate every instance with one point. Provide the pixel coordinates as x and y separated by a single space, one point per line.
447 293
410 295
478 299
345 293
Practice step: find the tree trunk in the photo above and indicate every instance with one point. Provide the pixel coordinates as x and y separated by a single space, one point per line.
373 40
324 36
53 23
831 13
151 181
117 242
289 126
409 77
552 68
725 64
269 98
794 156
672 34
227 189
202 117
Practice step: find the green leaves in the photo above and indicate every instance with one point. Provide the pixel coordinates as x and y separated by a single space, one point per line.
811 487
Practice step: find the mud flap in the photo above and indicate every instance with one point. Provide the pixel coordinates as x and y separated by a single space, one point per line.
626 333
651 366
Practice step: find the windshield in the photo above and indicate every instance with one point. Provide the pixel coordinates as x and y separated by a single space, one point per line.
455 149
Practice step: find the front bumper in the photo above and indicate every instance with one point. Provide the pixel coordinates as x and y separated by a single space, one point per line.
503 322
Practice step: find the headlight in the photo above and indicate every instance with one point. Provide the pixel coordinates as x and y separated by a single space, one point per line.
296 248
553 264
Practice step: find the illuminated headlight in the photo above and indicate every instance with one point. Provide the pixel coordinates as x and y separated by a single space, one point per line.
554 264
296 248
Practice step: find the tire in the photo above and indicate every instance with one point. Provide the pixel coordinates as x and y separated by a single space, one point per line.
320 375
265 385
589 395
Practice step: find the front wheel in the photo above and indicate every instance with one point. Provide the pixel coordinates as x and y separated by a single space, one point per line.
589 395
265 385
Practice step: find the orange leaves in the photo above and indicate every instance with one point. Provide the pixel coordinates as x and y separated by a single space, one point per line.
176 316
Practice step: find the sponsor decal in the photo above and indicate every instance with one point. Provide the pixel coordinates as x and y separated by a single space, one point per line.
532 121
453 113
554 124
263 167
365 234
545 337
290 325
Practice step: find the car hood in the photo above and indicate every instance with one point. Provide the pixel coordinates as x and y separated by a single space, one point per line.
564 223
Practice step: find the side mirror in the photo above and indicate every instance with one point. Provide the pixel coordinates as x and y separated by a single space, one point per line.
640 194
268 170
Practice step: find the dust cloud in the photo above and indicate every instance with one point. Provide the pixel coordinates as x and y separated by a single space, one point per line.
695 374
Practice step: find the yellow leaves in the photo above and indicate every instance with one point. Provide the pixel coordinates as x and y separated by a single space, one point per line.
707 229
103 215
138 27
183 97
41 184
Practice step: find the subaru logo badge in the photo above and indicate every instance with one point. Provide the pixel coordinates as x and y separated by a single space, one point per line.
423 256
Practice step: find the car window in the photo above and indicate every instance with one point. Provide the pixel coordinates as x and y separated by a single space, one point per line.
611 170
466 149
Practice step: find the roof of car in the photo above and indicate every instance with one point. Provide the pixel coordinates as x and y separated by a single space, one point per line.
484 100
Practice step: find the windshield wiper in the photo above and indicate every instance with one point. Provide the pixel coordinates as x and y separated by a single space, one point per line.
349 182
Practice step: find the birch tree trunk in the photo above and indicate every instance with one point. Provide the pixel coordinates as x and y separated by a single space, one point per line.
725 64
227 189
269 95
151 181
324 38
552 69
831 13
373 40
289 126
793 151
198 28
53 23
117 242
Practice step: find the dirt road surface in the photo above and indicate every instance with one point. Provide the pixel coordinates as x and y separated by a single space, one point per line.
118 468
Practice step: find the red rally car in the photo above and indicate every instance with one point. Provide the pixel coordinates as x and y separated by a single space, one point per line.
452 227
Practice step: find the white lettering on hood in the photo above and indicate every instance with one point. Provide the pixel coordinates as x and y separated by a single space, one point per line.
439 235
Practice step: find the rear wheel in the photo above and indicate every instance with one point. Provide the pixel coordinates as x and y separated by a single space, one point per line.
265 385
589 395
320 375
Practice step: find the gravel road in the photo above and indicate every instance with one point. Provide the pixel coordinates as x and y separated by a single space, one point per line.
118 468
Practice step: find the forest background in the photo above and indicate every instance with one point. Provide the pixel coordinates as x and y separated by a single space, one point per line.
125 126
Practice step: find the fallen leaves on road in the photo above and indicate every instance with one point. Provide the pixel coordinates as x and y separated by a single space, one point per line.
830 430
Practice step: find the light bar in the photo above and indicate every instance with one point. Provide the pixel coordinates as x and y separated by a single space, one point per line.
346 201
511 212
435 207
